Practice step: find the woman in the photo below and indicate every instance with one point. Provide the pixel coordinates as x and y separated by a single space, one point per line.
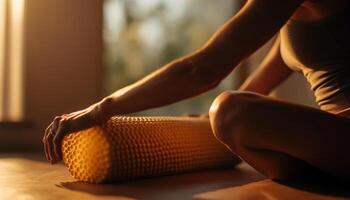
280 139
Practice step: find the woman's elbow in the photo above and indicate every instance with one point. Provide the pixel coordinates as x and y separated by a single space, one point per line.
205 79
202 74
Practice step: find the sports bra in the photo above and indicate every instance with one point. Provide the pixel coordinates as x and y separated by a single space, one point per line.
321 52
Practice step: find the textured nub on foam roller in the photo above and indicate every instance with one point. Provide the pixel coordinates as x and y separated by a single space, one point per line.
135 147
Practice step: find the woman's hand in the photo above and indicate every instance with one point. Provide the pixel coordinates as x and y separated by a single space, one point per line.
68 123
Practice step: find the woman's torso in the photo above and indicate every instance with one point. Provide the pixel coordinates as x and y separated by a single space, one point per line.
319 47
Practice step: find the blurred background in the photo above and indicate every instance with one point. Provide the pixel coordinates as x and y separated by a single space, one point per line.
58 56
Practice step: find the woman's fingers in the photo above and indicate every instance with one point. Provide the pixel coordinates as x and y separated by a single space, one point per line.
50 136
44 140
49 147
65 124
63 129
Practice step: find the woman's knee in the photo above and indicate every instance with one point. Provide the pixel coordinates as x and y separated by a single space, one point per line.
229 111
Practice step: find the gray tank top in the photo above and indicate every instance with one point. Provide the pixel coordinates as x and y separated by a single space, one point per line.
321 52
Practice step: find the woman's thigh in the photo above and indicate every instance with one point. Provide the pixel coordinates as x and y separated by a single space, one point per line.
258 122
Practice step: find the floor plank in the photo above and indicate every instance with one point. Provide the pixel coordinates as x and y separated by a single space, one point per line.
29 177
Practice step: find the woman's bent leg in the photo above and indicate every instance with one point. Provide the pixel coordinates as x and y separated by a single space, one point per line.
280 139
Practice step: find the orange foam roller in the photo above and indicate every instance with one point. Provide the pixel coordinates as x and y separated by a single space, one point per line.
127 148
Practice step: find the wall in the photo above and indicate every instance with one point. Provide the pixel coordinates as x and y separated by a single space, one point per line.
63 64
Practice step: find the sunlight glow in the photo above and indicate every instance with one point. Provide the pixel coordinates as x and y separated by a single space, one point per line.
2 54
16 60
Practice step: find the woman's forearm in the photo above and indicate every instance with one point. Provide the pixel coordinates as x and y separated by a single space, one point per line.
183 78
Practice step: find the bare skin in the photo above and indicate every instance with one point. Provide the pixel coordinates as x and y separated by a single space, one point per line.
274 137
282 140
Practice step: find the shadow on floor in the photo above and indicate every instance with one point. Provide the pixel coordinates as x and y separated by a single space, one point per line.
326 187
270 190
184 186
241 183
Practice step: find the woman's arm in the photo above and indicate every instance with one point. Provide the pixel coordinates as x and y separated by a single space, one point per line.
269 74
255 24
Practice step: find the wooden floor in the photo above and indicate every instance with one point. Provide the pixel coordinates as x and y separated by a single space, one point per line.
30 178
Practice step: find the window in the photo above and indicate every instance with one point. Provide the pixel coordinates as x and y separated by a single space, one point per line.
142 35
11 59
